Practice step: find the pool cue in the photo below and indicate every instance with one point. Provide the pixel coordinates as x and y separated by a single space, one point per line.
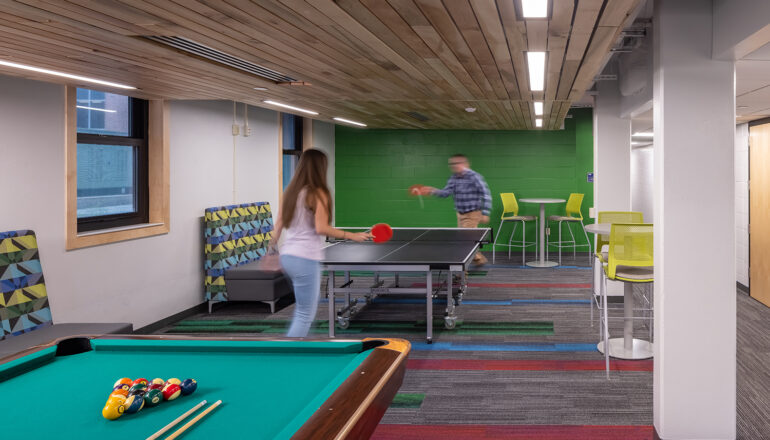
187 425
177 420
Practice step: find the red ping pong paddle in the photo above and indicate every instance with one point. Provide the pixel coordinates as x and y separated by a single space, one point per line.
416 190
382 232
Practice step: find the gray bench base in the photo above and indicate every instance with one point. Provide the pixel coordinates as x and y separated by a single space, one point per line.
249 283
45 335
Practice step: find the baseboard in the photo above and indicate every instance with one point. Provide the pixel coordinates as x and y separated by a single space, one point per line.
742 288
655 435
157 325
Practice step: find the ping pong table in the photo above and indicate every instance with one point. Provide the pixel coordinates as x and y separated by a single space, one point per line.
410 250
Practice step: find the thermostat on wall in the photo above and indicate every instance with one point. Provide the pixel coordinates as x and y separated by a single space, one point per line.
589 177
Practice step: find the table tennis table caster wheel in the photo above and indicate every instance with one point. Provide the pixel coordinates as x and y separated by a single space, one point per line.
450 322
344 323
369 300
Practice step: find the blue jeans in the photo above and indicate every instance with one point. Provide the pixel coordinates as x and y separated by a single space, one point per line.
305 275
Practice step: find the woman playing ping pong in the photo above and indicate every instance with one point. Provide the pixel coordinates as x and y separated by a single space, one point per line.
305 216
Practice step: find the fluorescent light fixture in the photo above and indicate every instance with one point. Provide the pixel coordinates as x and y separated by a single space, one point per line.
643 134
64 75
261 89
539 122
96 109
290 107
534 8
538 108
348 121
641 143
536 63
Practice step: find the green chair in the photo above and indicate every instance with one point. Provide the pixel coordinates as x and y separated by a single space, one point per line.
629 260
573 215
511 214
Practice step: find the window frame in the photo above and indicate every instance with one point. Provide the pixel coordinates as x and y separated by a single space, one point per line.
299 123
138 130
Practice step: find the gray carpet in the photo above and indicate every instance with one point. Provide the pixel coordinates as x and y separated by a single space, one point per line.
540 397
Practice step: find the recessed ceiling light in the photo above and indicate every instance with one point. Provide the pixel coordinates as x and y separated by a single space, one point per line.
64 75
96 109
260 88
641 143
538 108
534 8
642 134
290 107
539 122
742 106
348 121
536 64
470 109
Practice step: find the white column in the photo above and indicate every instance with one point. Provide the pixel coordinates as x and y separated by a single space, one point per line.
695 310
612 163
612 151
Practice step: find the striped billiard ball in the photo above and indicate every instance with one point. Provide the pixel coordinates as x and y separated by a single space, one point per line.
134 403
171 391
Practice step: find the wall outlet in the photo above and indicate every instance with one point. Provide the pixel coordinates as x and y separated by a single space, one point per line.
592 212
236 129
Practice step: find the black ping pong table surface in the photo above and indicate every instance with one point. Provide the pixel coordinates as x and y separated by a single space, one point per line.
436 247
410 250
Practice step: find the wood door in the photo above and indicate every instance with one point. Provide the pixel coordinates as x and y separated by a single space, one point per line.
759 212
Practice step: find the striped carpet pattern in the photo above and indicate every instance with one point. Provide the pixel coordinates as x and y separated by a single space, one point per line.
521 364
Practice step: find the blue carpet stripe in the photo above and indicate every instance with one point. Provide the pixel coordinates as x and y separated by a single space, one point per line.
508 266
451 346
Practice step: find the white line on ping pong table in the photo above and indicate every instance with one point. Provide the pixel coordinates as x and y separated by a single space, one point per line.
405 244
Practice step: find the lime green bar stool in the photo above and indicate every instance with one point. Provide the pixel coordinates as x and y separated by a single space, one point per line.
630 260
600 249
573 215
511 214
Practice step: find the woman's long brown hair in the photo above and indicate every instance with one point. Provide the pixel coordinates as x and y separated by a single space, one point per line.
311 176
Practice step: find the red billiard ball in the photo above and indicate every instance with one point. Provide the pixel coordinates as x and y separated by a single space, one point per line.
171 391
141 380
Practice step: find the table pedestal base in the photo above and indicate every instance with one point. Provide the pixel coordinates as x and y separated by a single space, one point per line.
641 349
543 264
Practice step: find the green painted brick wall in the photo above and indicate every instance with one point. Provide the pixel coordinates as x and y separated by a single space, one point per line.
374 169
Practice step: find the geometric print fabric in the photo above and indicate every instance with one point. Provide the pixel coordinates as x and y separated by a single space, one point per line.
23 297
233 235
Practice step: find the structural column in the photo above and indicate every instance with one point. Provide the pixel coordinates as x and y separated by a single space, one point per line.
695 297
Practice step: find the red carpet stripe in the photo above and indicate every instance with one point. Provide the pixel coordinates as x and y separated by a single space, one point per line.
525 365
511 432
520 285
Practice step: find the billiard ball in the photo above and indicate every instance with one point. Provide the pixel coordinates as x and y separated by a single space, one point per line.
171 391
114 407
136 388
188 386
153 397
134 403
157 381
174 380
156 386
123 381
121 389
140 380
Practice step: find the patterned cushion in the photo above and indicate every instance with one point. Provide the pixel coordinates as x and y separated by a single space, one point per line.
234 235
23 296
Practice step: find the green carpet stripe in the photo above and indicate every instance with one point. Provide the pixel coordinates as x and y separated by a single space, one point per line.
407 400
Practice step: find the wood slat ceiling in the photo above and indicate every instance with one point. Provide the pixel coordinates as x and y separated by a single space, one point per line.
367 60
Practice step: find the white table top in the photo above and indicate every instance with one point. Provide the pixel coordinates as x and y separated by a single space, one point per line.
599 228
536 200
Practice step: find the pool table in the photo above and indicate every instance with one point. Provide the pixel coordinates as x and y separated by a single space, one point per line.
270 389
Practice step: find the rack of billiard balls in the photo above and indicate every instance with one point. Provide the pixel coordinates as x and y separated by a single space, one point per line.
128 397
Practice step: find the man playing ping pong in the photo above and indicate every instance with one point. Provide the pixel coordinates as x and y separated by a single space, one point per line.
473 201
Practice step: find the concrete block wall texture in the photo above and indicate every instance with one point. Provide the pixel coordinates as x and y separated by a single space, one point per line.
374 169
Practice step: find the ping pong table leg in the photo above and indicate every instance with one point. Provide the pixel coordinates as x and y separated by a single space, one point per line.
332 304
429 306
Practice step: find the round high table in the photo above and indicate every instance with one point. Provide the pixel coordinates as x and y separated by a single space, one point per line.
541 262
626 347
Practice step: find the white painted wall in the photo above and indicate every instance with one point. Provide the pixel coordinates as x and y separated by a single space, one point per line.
742 204
642 181
138 281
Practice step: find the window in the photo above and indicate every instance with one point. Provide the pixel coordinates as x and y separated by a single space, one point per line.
112 169
291 128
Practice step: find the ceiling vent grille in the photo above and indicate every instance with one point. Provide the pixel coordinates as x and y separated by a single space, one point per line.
419 116
193 48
